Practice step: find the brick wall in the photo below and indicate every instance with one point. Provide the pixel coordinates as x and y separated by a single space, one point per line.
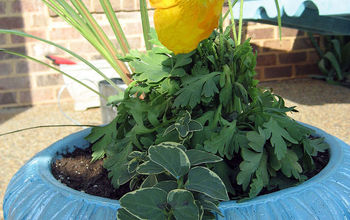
24 83
292 57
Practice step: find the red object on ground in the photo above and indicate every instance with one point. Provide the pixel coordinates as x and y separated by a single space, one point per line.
59 60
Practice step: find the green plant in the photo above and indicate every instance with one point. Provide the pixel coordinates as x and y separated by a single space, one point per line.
334 59
192 129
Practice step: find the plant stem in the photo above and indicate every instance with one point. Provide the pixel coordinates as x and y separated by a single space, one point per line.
117 29
45 126
145 24
240 23
233 23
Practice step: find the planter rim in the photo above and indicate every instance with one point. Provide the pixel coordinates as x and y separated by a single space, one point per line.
330 187
47 156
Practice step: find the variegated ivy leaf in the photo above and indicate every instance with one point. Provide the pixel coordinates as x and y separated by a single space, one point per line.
197 157
183 205
171 158
203 180
145 202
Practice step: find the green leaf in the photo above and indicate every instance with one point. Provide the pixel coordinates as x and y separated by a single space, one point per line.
274 162
149 168
169 129
183 59
255 187
183 129
256 140
132 165
278 134
115 99
248 166
209 88
197 157
290 165
167 185
101 137
330 56
222 142
336 45
150 181
203 180
313 146
117 165
145 202
194 126
125 215
136 154
226 94
150 67
183 205
262 177
210 206
171 158
226 174
241 91
195 87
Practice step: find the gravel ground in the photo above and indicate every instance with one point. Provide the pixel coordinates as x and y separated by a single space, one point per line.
319 104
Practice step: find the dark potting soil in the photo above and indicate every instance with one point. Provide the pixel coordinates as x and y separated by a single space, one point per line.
78 172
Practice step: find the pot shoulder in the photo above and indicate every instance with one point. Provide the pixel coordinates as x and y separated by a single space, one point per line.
34 193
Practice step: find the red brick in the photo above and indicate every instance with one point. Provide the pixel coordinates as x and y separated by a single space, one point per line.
256 47
64 95
64 34
313 57
96 6
259 73
136 42
20 6
8 98
5 56
82 47
2 8
22 67
6 68
39 21
26 66
18 39
304 43
16 6
14 83
49 80
36 95
278 72
132 28
128 5
2 39
291 32
308 69
266 60
11 22
277 45
290 58
264 33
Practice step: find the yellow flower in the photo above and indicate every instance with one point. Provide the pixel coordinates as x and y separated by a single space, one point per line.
182 24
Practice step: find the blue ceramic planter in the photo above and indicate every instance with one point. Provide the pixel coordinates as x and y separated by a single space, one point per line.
34 193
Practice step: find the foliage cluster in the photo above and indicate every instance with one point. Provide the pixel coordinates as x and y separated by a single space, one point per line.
185 108
334 60
192 129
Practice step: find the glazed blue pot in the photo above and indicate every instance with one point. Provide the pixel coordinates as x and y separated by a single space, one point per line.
34 193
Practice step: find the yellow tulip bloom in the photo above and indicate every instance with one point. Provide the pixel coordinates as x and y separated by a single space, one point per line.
182 24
